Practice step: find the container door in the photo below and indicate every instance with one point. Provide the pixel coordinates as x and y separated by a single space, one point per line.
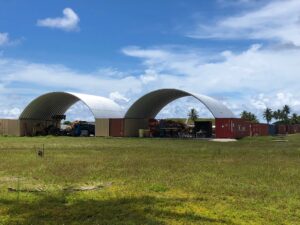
116 127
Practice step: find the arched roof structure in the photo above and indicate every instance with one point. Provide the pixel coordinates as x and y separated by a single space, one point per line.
57 103
149 105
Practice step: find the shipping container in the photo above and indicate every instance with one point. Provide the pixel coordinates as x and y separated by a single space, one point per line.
132 126
102 128
116 127
291 129
232 128
281 129
272 129
297 128
3 127
259 129
223 128
9 127
242 128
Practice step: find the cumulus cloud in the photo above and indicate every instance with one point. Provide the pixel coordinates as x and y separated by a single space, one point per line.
60 77
21 81
278 20
69 21
250 80
117 97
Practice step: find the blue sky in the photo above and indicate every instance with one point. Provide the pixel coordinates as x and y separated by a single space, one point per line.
105 28
243 52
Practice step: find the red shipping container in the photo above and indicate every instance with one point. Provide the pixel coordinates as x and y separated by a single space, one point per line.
291 129
297 128
259 129
242 128
281 129
231 128
223 128
116 127
264 129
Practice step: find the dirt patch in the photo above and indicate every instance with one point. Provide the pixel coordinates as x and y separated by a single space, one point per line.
223 140
88 187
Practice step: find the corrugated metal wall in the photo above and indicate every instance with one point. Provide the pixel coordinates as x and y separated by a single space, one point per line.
291 129
231 128
116 127
102 128
281 129
272 129
224 128
238 128
120 127
132 126
241 128
9 127
259 129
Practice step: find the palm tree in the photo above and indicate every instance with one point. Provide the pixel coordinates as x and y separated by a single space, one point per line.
295 118
268 115
193 115
286 110
249 116
244 114
277 115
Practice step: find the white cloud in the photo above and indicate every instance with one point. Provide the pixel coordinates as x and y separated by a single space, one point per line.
149 76
4 39
249 80
10 113
185 59
117 97
239 79
21 81
240 3
181 107
69 21
79 111
111 72
278 20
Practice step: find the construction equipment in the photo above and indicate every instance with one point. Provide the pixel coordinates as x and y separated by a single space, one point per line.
81 128
167 128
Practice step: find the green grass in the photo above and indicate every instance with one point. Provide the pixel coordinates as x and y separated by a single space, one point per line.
150 181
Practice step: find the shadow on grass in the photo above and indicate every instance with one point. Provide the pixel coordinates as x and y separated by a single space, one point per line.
144 210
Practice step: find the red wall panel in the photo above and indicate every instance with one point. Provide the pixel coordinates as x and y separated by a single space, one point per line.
297 128
259 129
223 128
292 129
116 127
241 128
281 129
232 128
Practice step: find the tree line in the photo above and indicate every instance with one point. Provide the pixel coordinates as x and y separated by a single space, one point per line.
282 116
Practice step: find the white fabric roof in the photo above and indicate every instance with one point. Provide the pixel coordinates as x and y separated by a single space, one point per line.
57 103
149 105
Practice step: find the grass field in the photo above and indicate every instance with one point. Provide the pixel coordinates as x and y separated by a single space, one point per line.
149 181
